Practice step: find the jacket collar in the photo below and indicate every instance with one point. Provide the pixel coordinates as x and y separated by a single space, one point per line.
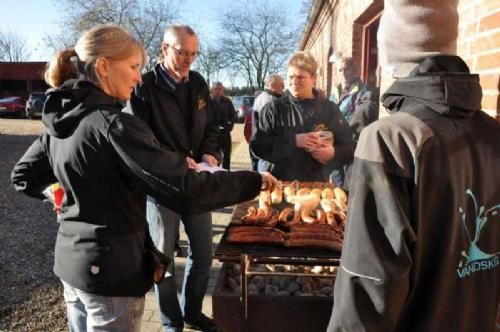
442 83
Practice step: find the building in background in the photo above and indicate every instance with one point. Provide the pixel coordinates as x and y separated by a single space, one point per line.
349 28
22 78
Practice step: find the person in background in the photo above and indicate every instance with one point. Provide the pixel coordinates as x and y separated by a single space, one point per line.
357 104
175 102
274 89
421 249
106 161
226 115
288 128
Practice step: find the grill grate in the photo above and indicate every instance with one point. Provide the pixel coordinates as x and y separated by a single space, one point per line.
227 251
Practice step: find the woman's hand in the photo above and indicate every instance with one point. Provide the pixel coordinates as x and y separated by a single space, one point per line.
209 159
268 181
192 164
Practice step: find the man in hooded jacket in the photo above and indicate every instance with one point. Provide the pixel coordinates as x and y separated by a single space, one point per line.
421 250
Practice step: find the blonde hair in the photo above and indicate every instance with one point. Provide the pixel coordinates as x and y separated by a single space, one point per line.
104 41
304 61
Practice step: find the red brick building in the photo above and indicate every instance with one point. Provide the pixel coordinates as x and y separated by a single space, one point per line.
350 27
21 78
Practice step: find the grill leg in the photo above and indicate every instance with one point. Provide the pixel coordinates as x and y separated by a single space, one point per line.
245 262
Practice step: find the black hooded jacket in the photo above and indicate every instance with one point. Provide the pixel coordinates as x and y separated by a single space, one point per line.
107 161
282 119
156 102
421 249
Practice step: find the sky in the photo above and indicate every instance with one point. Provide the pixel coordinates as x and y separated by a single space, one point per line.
34 19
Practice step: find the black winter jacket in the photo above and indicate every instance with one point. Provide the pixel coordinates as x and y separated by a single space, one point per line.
282 119
226 114
155 101
421 249
107 161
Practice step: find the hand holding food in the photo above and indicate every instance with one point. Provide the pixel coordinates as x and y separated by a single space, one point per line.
307 141
323 153
268 181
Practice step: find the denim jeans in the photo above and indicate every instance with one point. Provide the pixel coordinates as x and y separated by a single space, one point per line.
91 312
164 227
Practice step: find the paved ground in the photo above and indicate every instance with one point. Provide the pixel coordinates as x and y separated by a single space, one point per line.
240 160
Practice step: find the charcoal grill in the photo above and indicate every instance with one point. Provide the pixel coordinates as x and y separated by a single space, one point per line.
246 254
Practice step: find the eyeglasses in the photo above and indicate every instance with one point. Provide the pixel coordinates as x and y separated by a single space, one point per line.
183 54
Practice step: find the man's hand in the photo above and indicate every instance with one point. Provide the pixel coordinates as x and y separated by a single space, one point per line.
307 141
209 159
323 153
268 181
192 164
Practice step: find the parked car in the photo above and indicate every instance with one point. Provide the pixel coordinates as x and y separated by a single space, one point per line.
34 105
243 106
12 106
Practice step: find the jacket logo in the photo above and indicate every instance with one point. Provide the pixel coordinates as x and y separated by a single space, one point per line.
475 259
202 103
320 127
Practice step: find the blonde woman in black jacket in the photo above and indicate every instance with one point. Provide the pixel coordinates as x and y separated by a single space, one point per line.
107 161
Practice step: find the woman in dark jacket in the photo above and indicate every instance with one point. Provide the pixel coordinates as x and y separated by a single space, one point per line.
107 161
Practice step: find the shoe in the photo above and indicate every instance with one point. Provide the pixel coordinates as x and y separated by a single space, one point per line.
204 324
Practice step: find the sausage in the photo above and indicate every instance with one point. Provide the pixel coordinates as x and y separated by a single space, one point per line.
239 229
256 237
314 243
330 236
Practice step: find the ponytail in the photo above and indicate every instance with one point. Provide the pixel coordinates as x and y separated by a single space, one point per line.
61 68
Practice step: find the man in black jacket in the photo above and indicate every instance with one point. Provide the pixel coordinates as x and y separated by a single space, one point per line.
288 128
421 249
175 102
226 116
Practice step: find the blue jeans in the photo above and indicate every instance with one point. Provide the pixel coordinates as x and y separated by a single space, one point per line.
91 312
164 227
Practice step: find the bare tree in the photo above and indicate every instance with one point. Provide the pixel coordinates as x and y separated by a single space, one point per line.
210 62
258 39
13 47
146 19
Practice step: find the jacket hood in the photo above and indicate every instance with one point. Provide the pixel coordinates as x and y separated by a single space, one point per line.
68 104
442 82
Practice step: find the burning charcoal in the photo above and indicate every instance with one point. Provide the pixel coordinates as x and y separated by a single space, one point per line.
271 290
259 282
292 287
284 282
307 288
304 280
328 291
275 281
252 289
326 282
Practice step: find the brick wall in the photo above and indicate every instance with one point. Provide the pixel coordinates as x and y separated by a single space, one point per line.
335 28
479 45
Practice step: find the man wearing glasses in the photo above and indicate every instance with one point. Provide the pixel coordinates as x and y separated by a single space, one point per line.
175 102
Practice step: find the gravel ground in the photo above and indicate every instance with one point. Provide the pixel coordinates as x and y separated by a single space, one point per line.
30 294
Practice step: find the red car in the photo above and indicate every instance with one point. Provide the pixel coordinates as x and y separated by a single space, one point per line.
13 106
